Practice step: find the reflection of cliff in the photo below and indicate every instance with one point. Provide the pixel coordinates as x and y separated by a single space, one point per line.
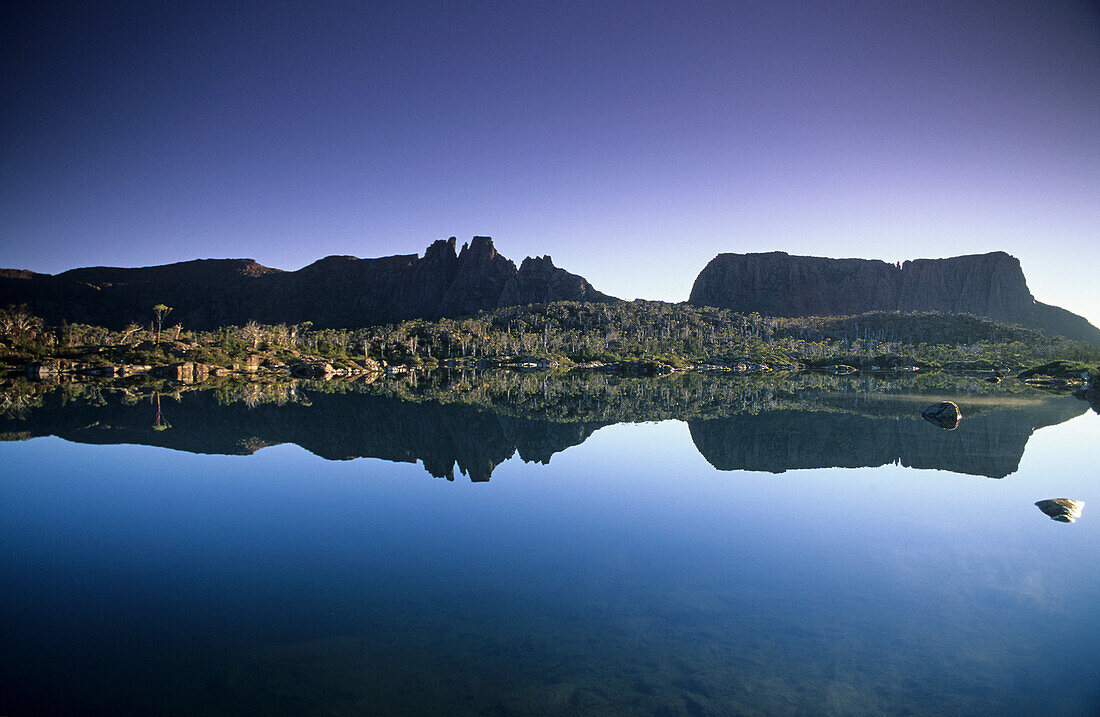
990 443
751 425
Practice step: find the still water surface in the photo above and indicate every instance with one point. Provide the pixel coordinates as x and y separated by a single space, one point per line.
628 575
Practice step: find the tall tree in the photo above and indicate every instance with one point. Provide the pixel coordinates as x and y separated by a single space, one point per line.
160 311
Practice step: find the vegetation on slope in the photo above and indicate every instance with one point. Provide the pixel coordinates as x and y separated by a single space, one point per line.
566 333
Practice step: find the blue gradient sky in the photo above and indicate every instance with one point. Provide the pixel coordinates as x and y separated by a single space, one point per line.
631 141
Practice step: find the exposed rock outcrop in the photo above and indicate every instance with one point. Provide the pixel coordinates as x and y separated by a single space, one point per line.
334 292
1063 510
779 284
539 281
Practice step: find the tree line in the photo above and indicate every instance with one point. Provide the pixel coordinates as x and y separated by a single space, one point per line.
566 332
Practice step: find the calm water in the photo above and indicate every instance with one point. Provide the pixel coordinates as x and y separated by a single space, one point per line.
711 566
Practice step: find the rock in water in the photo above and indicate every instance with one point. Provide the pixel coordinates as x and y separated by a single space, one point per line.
945 415
1064 510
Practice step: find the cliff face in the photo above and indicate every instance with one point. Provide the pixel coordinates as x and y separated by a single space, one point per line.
779 284
539 281
335 292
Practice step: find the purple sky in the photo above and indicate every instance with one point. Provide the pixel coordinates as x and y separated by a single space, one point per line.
631 141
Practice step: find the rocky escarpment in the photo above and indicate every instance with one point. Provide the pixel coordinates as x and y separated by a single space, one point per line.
335 292
779 284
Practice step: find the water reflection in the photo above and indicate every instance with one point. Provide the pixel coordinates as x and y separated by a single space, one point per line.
475 423
629 577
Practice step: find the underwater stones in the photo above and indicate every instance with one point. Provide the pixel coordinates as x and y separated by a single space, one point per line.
1063 510
945 414
313 369
635 368
183 372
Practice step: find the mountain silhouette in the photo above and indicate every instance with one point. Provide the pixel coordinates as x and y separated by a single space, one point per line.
334 292
780 284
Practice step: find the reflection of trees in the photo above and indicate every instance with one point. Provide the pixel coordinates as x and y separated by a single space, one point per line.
254 394
579 395
590 396
476 420
159 424
17 400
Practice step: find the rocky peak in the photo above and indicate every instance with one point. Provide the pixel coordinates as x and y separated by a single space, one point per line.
337 291
539 281
479 251
533 264
481 277
441 249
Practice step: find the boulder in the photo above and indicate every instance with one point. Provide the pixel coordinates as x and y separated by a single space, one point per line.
313 369
1063 510
637 368
945 414
42 369
184 372
102 371
127 370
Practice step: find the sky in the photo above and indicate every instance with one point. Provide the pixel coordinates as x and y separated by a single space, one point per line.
631 141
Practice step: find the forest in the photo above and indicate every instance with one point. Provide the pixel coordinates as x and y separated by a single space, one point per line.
562 334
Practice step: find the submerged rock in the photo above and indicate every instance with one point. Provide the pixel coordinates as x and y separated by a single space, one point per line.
313 369
945 414
1090 392
1064 510
637 368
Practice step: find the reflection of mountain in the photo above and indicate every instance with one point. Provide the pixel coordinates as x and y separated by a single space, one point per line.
735 425
333 426
988 444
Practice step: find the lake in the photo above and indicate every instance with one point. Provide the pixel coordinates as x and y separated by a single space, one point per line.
524 545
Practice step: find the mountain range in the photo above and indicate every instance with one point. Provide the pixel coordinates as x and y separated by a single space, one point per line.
348 292
334 292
